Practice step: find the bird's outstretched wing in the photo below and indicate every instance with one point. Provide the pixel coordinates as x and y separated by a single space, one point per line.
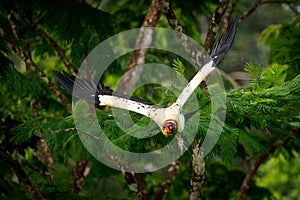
225 42
90 90
98 94
217 54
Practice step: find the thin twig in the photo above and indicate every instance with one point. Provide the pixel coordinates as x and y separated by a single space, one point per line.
229 78
251 10
260 2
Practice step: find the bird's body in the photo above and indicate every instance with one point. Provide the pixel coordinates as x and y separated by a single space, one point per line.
170 120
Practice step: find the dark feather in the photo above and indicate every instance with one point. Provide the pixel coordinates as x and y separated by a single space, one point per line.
89 90
225 42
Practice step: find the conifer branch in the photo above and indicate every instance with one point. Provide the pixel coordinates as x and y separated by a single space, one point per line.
214 25
42 171
60 52
44 154
198 173
22 176
45 78
25 54
139 54
254 167
51 42
173 168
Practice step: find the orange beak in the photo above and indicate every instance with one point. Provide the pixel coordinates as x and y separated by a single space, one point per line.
166 132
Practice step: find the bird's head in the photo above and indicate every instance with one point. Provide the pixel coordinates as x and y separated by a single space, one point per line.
170 127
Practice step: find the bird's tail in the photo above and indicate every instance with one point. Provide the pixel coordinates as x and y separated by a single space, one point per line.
223 45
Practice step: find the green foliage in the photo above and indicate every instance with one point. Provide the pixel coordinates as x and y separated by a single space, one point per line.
281 175
223 181
257 116
179 68
283 41
262 110
6 64
269 32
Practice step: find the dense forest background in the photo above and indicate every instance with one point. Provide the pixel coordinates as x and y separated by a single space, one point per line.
257 155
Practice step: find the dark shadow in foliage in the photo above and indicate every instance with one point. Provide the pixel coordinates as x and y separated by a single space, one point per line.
7 141
223 182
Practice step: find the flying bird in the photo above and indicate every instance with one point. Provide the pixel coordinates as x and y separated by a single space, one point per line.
169 119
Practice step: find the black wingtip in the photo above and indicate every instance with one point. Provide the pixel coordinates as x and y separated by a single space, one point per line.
225 42
85 89
66 80
88 90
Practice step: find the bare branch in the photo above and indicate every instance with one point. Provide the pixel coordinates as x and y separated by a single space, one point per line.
198 58
170 15
80 172
214 26
198 173
173 168
144 39
227 15
151 19
136 186
260 2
